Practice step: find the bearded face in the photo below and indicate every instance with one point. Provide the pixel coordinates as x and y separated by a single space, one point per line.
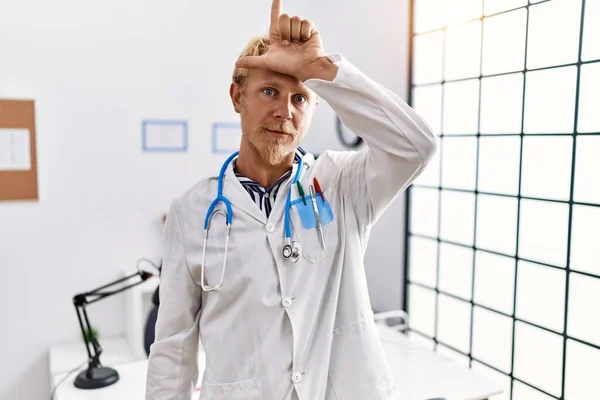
273 141
275 110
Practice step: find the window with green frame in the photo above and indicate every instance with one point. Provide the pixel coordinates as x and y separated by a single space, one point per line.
503 227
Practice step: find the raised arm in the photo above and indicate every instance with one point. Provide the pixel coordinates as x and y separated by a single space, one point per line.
399 144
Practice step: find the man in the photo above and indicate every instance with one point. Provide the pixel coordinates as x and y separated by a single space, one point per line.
284 324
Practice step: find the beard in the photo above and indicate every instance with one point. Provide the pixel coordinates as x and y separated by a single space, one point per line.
272 149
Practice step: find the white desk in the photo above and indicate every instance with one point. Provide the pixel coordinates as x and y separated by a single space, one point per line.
116 350
419 372
130 386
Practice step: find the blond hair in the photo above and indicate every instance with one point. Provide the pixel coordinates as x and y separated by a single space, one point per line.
257 46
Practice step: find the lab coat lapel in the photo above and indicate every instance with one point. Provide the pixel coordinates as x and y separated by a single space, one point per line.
239 197
282 193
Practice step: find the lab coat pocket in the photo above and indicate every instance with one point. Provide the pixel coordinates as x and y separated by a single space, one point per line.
305 227
241 390
358 368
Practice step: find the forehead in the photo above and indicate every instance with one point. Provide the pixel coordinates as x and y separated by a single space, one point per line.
260 77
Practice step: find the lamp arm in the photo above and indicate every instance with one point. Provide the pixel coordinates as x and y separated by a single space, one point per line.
82 300
84 325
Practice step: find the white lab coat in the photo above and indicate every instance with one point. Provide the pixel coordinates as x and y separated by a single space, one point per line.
277 327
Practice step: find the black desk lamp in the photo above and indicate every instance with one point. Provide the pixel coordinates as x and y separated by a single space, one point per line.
96 376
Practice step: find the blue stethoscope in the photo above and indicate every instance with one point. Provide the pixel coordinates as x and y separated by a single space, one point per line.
291 249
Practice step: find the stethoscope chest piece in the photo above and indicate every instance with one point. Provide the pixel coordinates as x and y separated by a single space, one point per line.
292 251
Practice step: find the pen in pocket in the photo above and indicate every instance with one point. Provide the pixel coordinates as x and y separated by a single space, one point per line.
301 192
318 188
317 217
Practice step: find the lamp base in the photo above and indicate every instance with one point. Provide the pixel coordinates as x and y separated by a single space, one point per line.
96 378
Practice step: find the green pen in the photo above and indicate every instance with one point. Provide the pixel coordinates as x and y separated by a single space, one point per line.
301 191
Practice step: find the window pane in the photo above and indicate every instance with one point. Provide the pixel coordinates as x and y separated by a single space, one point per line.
585 234
497 377
538 358
543 231
550 100
584 297
421 309
499 159
583 364
454 322
589 98
424 211
423 260
502 104
497 224
456 270
462 10
587 165
463 46
495 6
459 162
461 107
541 295
429 15
553 33
458 213
524 392
427 101
494 281
428 58
504 42
591 31
492 338
547 167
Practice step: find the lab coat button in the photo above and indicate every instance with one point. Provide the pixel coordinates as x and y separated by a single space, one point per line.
286 302
297 377
270 228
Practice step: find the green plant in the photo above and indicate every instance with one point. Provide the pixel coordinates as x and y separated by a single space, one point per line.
90 333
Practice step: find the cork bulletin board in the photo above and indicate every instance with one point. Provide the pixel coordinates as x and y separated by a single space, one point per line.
18 166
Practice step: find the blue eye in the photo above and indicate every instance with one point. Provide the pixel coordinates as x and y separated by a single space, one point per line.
300 98
269 92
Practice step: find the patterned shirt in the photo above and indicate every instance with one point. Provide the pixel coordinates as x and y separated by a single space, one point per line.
265 197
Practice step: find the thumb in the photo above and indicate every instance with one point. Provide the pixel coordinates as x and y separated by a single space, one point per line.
252 62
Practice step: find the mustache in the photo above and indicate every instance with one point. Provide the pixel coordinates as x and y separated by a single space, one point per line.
282 127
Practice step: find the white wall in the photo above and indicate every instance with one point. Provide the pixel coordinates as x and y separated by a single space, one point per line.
96 69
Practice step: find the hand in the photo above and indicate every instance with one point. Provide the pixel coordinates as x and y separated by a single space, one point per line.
295 48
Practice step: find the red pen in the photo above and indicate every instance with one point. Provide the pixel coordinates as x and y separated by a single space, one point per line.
318 188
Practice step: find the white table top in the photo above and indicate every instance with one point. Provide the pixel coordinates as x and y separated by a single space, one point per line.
130 386
419 372
116 350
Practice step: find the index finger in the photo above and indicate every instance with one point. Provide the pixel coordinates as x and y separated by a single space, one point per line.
275 13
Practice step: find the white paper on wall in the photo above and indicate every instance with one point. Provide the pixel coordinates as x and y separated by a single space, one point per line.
15 150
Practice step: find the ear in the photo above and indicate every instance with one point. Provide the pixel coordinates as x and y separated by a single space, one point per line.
235 91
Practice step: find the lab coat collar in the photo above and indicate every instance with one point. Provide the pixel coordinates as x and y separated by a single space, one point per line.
239 197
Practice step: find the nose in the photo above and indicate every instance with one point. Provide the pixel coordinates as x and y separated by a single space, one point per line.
283 109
